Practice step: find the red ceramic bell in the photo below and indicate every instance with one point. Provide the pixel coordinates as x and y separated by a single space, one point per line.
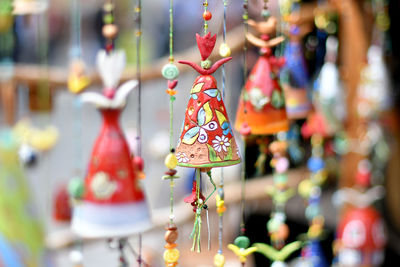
207 139
361 238
262 97
61 205
113 202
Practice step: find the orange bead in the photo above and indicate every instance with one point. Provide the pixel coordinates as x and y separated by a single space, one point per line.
207 15
170 245
171 92
221 209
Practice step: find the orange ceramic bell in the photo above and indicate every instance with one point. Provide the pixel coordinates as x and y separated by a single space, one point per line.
262 103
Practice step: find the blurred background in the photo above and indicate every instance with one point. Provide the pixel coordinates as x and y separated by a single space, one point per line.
36 51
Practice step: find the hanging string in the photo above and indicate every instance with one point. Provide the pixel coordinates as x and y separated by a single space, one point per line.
139 258
138 11
171 72
220 198
205 4
243 173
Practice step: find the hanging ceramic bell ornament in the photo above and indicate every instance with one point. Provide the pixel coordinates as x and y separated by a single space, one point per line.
113 203
361 236
295 77
26 7
262 97
206 140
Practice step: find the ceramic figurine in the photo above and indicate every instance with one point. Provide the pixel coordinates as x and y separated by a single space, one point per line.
113 203
360 237
262 97
206 140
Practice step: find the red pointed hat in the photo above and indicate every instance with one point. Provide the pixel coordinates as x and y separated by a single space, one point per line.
263 99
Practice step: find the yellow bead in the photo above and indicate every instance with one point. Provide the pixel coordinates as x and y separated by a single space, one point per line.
224 50
171 161
305 188
171 255
219 260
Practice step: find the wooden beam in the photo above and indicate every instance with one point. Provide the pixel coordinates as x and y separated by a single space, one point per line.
58 76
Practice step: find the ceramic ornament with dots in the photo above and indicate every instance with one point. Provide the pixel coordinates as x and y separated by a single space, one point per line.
113 203
206 140
361 235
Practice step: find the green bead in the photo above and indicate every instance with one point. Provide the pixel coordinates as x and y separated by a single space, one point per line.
280 178
206 64
242 242
108 18
170 71
265 13
245 17
173 98
273 225
76 188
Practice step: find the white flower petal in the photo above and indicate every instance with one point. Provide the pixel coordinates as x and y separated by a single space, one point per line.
224 148
218 138
218 149
227 144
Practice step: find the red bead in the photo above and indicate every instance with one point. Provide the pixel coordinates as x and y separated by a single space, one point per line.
109 93
109 47
207 15
138 163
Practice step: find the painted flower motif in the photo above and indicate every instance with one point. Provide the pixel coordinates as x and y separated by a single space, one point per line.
205 124
220 143
182 157
102 186
258 99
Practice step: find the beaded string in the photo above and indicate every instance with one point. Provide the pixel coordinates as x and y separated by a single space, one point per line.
108 20
243 173
138 20
241 245
171 72
245 66
206 16
224 51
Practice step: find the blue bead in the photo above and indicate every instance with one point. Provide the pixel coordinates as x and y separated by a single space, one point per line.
315 164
